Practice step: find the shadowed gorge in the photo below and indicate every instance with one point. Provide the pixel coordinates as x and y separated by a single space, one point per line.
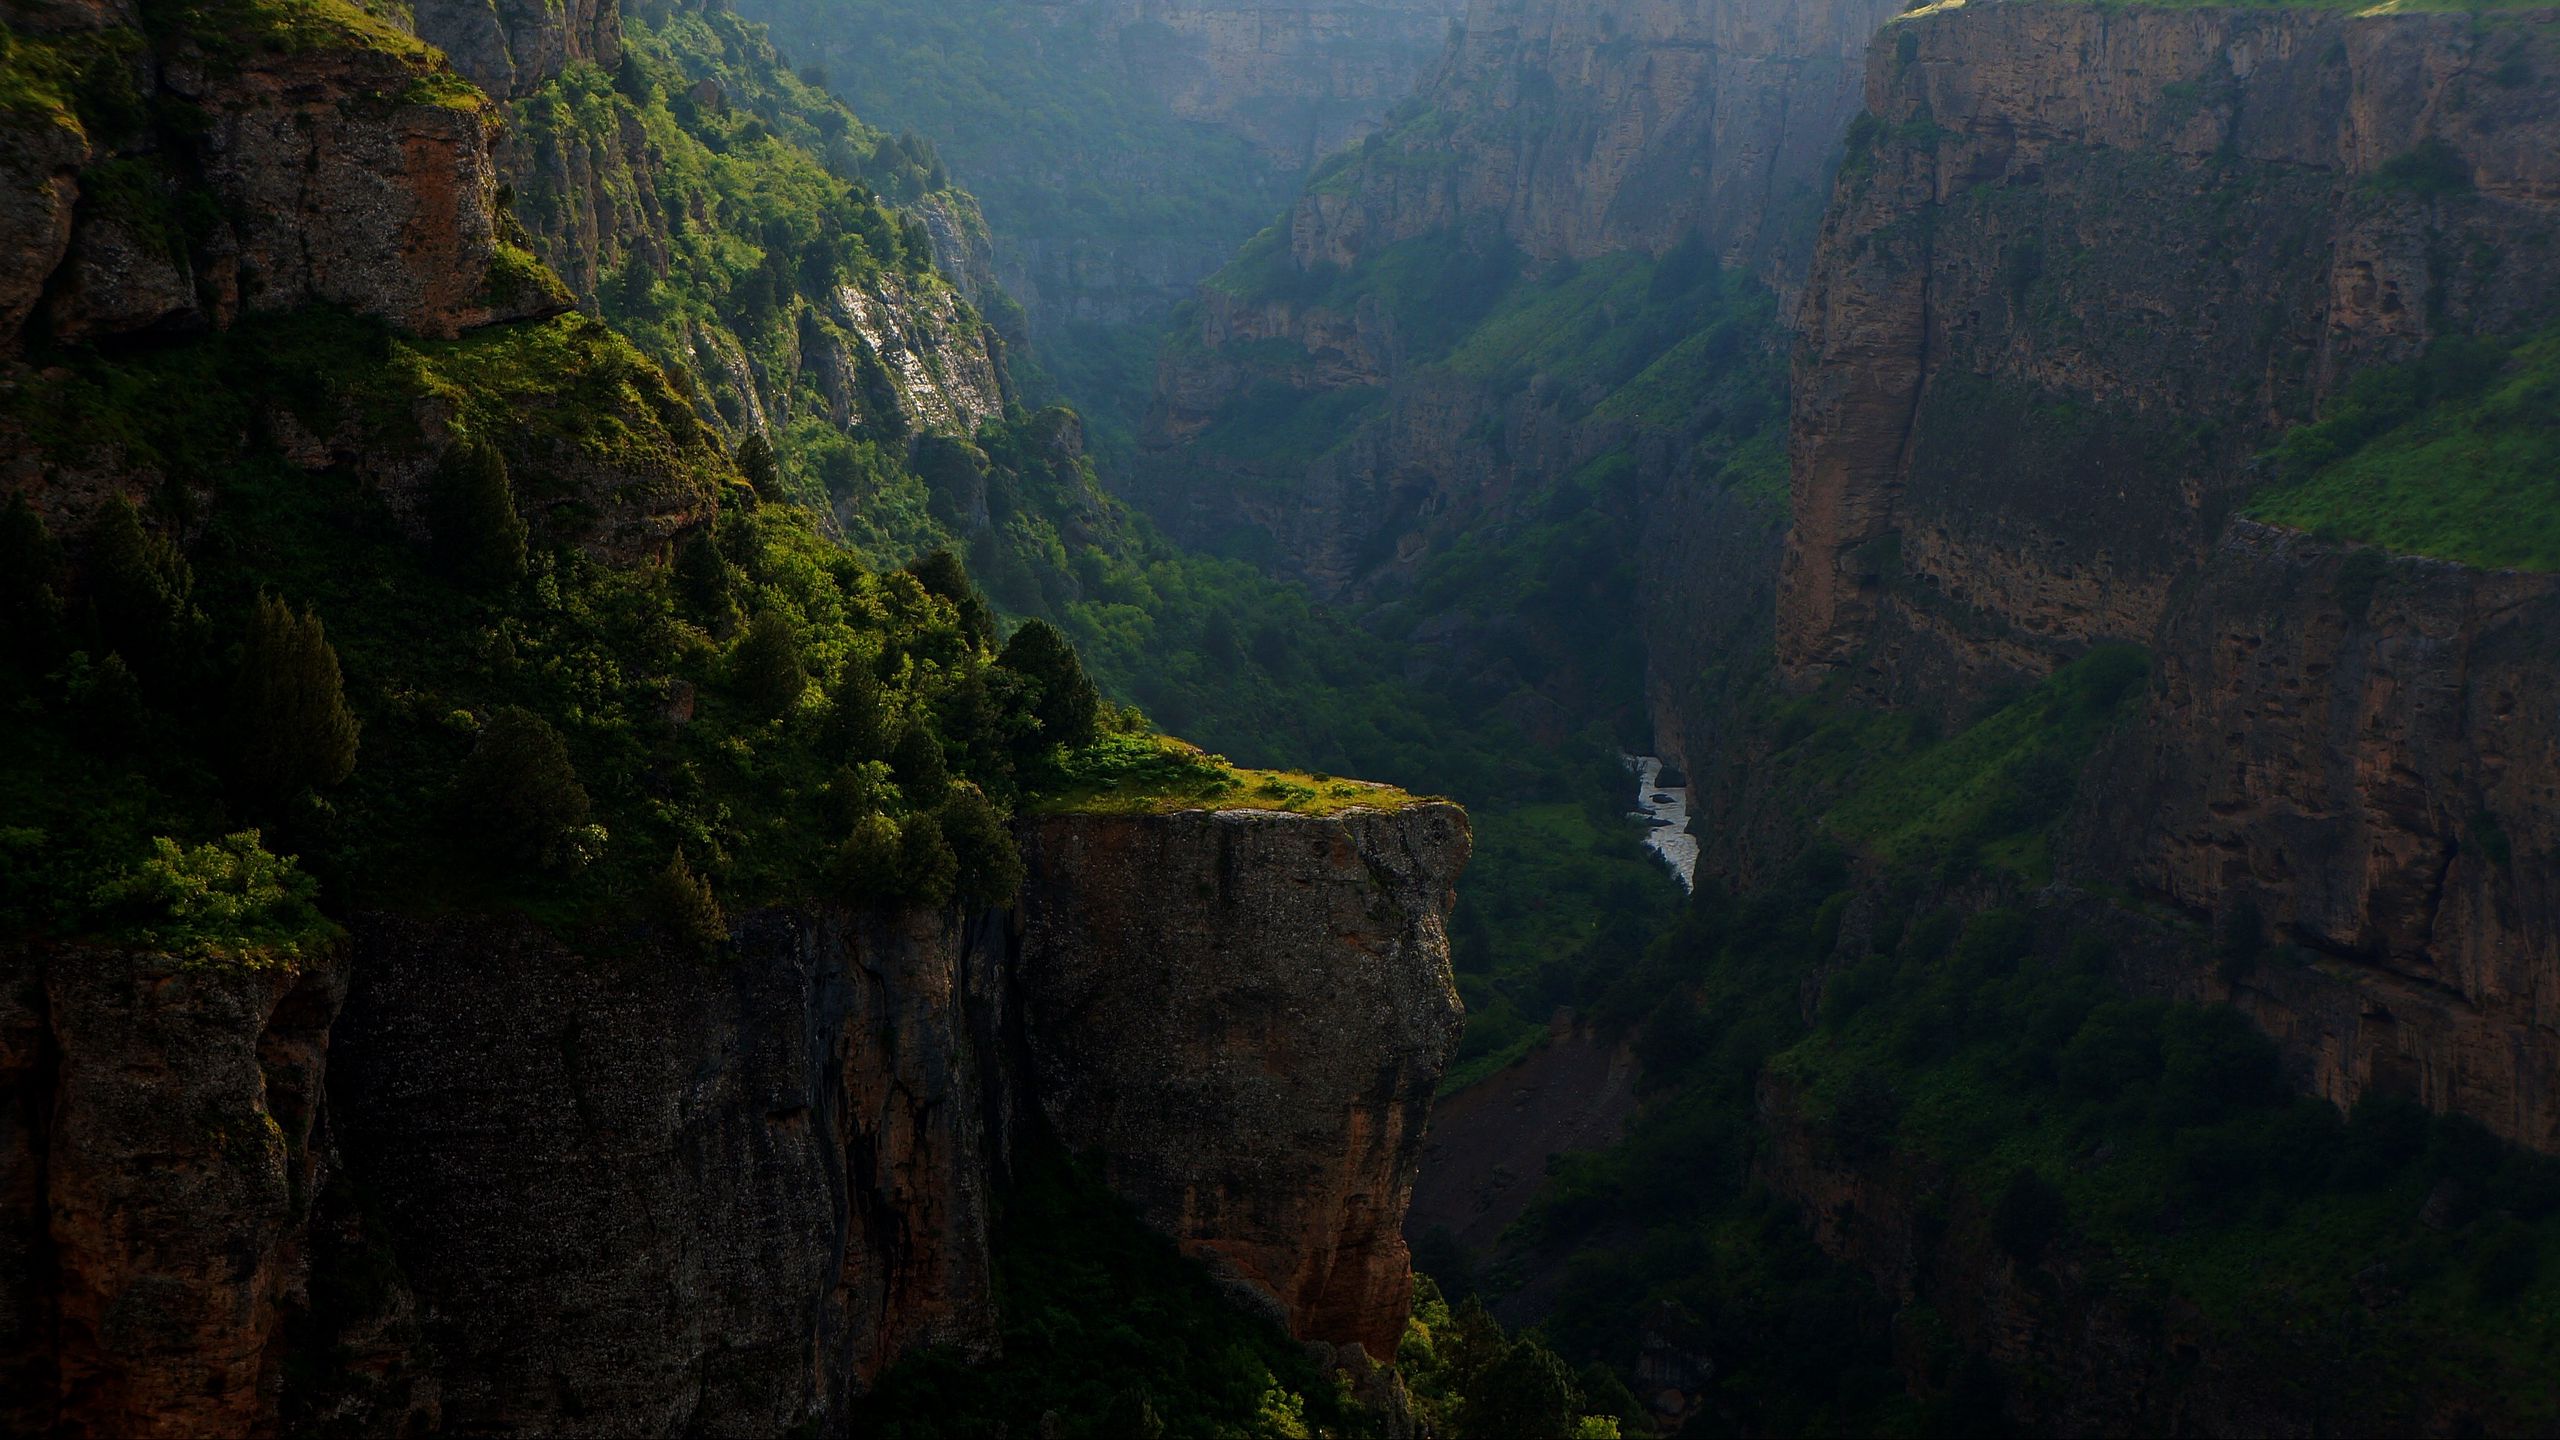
1423 719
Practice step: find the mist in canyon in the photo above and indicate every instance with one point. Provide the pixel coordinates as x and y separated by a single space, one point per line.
1415 718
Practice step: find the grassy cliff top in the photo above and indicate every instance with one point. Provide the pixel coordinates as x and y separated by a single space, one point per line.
1159 775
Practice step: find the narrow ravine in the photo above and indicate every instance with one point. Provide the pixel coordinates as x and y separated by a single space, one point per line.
1663 807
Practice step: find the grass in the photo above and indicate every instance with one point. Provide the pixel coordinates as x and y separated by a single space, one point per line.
1139 774
2455 456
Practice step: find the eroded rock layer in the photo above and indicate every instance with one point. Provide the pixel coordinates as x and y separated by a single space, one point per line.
1244 1015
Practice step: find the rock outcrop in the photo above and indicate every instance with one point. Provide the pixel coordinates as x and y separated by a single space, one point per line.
340 168
510 47
2083 264
606 1188
1243 1016
1579 129
2365 752
160 1167
2084 260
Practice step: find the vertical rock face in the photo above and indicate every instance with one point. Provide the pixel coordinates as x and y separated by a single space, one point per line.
643 1193
1243 1016
1582 128
613 1190
2377 775
2082 264
2082 260
159 1171
1298 81
339 171
509 47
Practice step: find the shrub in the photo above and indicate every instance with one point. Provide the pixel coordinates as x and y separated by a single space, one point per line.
291 726
227 900
479 537
520 794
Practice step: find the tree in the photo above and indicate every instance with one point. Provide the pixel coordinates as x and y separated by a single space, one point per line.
291 727
1064 700
942 574
990 865
140 589
766 667
705 583
867 863
31 584
923 774
519 792
855 712
756 462
685 905
478 536
928 871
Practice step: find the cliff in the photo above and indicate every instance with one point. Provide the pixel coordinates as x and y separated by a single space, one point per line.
2131 274
607 1188
1578 129
2052 321
2362 753
333 160
1165 985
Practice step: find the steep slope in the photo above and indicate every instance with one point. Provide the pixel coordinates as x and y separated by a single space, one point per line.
444 790
1123 149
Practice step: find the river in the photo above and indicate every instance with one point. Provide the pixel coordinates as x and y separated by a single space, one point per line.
1664 809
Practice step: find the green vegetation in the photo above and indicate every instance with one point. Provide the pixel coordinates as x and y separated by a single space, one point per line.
1108 1332
2455 455
1144 774
226 901
1071 156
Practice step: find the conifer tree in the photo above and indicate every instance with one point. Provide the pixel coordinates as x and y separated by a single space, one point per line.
924 774
686 907
867 863
941 573
988 862
479 537
140 589
1065 702
928 871
31 582
705 583
519 793
290 722
767 667
756 462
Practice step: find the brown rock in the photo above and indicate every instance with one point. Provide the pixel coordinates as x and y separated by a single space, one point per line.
1243 1016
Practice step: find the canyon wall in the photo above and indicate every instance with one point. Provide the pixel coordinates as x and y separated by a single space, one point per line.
1577 129
1168 964
1556 133
609 1188
2084 261
2082 266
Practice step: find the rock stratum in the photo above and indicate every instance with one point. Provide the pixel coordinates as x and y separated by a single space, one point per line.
605 1189
2083 265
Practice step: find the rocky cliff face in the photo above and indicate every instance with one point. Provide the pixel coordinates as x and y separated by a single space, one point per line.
1578 129
1297 81
510 47
607 1189
2364 754
1244 1015
160 1168
2057 306
2125 267
333 165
